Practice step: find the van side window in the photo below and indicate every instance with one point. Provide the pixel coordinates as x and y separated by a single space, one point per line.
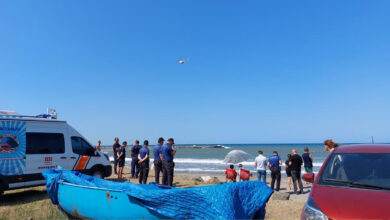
44 143
80 146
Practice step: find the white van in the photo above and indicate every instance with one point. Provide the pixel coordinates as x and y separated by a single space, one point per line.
30 145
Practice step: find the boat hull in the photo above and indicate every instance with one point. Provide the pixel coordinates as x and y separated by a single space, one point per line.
97 203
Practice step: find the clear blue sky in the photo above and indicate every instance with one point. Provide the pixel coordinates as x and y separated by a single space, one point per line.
259 71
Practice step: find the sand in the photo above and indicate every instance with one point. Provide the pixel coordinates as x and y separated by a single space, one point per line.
33 202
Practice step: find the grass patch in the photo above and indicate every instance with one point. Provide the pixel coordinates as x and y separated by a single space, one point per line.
28 203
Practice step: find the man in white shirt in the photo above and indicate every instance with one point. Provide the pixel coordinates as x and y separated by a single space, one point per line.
260 164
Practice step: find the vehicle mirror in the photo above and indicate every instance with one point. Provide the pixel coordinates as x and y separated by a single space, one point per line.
308 177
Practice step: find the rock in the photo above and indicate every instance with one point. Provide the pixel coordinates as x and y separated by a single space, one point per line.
198 179
206 178
211 180
280 196
236 156
214 180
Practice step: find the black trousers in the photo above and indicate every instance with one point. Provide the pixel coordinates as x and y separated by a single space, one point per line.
134 167
115 163
144 172
296 175
168 168
157 171
275 175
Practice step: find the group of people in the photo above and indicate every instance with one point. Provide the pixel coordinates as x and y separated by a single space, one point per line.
140 159
292 167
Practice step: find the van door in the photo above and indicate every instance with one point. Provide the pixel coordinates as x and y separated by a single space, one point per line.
84 151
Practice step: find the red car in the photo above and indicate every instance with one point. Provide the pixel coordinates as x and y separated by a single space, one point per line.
353 183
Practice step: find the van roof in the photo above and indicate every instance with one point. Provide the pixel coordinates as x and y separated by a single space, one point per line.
11 115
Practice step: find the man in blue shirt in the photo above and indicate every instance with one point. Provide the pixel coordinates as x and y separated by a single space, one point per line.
274 163
167 154
143 160
134 159
157 160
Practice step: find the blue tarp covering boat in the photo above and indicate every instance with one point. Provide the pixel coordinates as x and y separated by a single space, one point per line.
84 196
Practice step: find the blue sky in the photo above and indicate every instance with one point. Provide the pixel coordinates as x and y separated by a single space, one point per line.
259 71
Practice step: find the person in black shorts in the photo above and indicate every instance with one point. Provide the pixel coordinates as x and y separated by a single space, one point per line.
288 170
121 158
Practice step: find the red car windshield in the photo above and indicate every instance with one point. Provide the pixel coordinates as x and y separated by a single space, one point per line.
362 170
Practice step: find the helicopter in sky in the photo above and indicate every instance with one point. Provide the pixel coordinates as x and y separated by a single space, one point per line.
182 61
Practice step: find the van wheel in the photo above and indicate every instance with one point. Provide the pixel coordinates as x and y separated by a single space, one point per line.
98 173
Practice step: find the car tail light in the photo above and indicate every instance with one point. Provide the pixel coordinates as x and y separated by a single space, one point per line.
312 212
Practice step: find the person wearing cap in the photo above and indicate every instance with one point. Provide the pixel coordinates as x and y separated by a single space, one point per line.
157 160
167 154
274 163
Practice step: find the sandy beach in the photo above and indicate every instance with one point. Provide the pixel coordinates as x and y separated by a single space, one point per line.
33 202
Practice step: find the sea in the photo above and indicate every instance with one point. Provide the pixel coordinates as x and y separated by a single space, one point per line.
208 158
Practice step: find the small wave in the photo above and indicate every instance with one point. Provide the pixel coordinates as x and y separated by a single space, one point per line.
317 164
218 171
209 161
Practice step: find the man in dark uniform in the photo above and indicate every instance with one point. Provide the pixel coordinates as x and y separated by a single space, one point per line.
134 159
167 154
157 160
115 148
274 163
143 160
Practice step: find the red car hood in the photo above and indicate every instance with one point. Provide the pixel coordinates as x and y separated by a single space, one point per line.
352 203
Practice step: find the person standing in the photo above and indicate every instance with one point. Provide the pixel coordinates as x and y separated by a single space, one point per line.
121 157
157 160
260 164
98 146
296 163
115 148
330 145
143 160
134 159
167 154
274 163
287 167
307 161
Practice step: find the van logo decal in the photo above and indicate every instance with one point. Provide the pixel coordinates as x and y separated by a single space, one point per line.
48 160
9 143
12 147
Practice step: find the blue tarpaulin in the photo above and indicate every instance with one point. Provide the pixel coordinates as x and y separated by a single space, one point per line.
240 200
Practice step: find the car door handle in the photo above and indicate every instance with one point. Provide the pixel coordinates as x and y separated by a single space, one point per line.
62 157
72 157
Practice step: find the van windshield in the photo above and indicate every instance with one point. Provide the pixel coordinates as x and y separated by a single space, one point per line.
361 170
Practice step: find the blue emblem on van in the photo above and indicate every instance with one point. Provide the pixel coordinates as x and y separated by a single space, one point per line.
9 143
12 147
